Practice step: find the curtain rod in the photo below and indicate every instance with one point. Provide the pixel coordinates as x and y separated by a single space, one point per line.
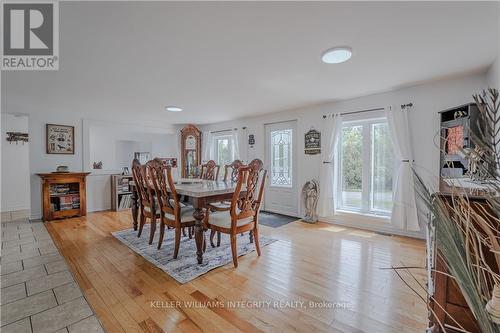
224 130
359 111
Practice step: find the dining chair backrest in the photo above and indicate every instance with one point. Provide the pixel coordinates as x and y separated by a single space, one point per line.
248 204
209 171
233 175
139 174
161 177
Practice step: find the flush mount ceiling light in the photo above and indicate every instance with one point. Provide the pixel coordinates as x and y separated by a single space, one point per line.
173 108
337 55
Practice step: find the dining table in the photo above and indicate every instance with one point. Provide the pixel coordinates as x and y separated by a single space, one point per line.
199 193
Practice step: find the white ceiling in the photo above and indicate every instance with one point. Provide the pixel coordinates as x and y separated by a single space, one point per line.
221 61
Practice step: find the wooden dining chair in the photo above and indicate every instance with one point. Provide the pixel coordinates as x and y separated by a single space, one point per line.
172 213
209 171
146 198
231 173
244 212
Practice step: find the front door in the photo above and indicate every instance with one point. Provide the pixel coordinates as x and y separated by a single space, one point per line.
281 161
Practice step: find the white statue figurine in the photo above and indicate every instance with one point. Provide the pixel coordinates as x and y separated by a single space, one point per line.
310 195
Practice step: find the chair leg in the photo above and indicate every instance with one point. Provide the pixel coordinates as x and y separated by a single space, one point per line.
204 244
190 232
234 250
153 229
250 236
162 232
212 234
218 238
142 221
256 238
177 242
184 232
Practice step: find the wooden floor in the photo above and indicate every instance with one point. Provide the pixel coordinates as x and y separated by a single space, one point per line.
317 263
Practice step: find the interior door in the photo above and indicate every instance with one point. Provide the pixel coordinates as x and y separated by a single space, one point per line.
281 163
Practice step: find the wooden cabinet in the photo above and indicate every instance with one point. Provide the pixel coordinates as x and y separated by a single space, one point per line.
453 311
63 195
190 151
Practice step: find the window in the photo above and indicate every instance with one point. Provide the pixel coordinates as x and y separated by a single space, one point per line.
281 158
223 149
366 167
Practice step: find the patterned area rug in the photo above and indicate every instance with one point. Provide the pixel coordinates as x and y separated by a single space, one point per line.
185 268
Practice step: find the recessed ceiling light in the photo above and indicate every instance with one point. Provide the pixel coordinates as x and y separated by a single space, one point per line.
337 55
173 108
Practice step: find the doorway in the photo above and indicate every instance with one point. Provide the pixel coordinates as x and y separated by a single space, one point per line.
281 163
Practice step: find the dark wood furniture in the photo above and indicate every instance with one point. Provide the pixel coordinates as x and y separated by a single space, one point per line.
199 193
231 173
63 194
145 199
190 151
446 291
244 213
209 171
172 213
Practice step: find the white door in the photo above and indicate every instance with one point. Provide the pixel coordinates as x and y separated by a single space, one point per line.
281 161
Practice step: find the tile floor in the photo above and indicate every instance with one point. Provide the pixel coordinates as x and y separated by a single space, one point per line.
38 292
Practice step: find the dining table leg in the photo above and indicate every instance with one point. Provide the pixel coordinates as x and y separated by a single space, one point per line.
199 232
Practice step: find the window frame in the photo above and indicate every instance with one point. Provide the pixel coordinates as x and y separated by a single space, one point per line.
215 142
367 179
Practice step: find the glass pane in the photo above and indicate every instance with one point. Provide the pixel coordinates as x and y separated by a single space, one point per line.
223 152
382 168
352 166
281 158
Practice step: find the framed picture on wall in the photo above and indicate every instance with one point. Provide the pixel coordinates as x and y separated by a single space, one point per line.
60 139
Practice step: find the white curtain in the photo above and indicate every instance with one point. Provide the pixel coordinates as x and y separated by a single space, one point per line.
235 144
404 210
329 165
208 149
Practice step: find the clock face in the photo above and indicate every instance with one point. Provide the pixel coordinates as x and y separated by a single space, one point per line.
190 142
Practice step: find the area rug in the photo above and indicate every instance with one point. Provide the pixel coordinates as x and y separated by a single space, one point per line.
185 268
275 220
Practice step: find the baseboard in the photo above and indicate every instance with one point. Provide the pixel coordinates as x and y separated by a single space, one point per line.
375 228
15 215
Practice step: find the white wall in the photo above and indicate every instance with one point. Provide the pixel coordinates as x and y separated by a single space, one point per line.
493 75
428 100
42 162
114 144
15 165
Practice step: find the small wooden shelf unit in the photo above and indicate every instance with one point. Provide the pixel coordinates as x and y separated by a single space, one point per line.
63 194
121 192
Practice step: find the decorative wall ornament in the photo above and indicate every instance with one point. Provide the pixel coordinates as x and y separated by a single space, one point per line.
17 137
251 139
97 165
60 139
310 196
312 142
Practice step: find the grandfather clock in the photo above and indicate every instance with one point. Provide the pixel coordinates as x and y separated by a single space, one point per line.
190 151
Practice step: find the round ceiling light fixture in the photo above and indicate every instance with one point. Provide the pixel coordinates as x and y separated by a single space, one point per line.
173 108
337 55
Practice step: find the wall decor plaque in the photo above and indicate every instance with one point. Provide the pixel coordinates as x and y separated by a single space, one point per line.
251 139
60 139
312 142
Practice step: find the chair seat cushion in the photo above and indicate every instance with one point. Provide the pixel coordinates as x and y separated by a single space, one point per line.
186 215
223 220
